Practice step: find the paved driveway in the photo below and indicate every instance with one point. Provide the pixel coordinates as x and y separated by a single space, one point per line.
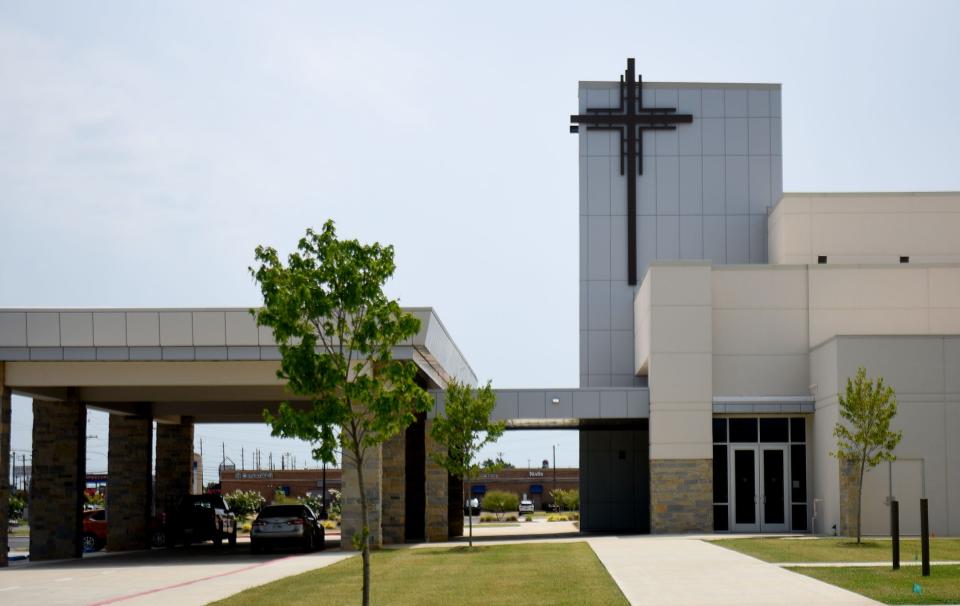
686 571
183 577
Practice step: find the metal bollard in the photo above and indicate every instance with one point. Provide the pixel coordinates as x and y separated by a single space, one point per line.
895 532
924 538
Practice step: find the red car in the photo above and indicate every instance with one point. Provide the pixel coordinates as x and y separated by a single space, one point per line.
95 531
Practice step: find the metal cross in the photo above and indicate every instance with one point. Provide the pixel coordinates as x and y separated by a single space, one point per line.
630 118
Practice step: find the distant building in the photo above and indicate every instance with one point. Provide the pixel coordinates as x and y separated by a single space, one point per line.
536 484
292 482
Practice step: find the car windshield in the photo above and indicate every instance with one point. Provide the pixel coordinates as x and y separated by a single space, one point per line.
205 501
282 511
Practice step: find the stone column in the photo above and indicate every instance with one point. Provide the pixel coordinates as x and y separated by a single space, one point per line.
174 463
5 405
677 298
130 469
394 489
351 515
437 487
57 480
849 511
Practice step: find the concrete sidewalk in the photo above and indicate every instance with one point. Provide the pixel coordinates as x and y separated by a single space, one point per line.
185 577
689 572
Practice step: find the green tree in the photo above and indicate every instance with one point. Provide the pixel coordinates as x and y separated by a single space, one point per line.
497 464
864 438
464 427
500 502
336 329
244 502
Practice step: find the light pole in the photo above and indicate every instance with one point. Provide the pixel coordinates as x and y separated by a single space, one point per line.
554 475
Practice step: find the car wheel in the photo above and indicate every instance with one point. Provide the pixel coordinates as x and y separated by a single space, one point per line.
218 536
255 547
308 543
323 542
232 539
158 539
89 543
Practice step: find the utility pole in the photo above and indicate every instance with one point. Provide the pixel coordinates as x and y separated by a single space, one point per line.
554 468
242 460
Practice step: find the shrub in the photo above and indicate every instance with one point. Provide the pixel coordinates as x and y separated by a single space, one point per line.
244 502
566 499
15 506
528 518
510 518
329 524
488 517
500 502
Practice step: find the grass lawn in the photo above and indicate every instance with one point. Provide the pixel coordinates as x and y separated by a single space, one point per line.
840 549
543 573
889 587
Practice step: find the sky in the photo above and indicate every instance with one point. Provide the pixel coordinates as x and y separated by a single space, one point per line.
147 148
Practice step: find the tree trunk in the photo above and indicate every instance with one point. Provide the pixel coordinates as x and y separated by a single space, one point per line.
863 462
469 502
364 531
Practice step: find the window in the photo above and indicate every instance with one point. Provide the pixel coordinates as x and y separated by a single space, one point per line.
904 259
774 430
719 430
822 259
743 430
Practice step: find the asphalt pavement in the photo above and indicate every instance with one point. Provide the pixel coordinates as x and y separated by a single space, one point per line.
183 576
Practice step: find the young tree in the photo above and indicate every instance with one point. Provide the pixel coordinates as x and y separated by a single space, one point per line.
863 436
464 428
336 329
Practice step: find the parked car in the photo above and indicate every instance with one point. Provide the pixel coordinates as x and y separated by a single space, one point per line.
286 525
201 517
95 531
472 508
526 506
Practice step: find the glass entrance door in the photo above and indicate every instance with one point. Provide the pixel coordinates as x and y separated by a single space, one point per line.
773 493
759 477
745 496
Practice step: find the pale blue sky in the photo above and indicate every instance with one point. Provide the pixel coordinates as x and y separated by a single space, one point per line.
146 148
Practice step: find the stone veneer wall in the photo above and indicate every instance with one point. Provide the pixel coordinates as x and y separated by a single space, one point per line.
437 487
174 463
681 495
351 515
394 489
129 464
5 409
57 478
849 512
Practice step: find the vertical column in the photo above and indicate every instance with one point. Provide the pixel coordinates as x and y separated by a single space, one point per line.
681 396
351 518
174 463
437 487
5 406
455 502
849 506
394 489
129 464
57 480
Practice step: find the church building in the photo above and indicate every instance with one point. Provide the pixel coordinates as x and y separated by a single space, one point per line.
719 319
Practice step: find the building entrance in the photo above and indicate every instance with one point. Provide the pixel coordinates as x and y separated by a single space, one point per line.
760 474
760 488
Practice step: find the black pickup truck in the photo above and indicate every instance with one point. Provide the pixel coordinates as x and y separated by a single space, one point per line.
201 517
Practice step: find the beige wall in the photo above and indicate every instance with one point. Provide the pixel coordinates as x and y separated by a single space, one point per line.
923 370
766 319
865 228
760 328
680 363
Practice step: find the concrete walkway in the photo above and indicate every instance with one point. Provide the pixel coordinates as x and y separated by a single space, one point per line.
184 577
690 572
859 564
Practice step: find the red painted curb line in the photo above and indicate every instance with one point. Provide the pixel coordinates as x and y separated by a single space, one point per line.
185 583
